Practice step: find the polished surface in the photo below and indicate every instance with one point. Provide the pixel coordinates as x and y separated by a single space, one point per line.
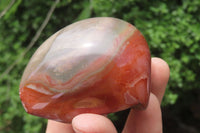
97 65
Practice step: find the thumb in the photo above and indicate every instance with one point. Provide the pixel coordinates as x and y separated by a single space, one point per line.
92 123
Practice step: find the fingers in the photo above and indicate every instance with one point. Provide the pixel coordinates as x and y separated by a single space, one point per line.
147 121
58 127
159 77
84 123
92 123
150 119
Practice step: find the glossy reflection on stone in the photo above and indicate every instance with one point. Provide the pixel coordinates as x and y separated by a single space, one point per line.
97 65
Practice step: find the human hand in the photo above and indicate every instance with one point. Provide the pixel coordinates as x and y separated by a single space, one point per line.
145 121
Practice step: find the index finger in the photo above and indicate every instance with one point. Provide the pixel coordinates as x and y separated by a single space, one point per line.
159 77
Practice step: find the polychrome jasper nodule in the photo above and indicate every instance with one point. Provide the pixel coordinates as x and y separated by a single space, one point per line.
97 65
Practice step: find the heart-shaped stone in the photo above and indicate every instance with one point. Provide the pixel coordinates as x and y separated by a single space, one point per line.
97 65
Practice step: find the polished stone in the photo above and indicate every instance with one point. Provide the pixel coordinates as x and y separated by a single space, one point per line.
97 65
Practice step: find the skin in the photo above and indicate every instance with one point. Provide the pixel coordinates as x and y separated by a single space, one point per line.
149 120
